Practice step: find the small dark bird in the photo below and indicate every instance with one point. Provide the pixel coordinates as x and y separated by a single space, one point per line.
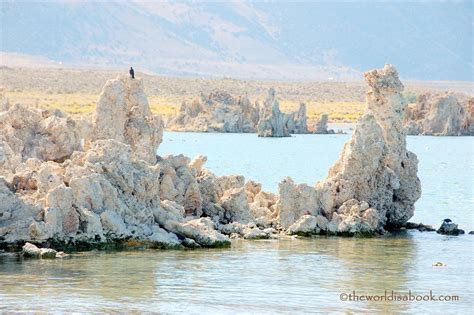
447 220
132 73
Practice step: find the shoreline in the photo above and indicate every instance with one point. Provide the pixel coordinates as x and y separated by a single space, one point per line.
137 245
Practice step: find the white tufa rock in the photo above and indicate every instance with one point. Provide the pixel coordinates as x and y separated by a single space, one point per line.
272 123
123 114
375 170
439 115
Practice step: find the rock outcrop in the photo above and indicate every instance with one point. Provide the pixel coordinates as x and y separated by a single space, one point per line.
272 123
439 115
217 112
123 114
222 112
298 121
41 134
448 227
116 188
374 184
321 125
32 251
468 123
418 226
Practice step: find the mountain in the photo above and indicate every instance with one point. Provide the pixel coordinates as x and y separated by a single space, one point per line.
428 40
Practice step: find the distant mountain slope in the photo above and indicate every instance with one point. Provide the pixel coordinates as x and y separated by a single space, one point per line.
271 40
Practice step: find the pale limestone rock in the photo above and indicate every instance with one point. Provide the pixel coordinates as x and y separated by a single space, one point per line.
217 112
164 238
355 217
232 228
439 115
322 223
113 224
211 193
246 231
295 201
198 162
39 231
252 188
110 192
32 251
468 123
262 204
375 165
256 233
92 222
272 122
42 134
321 125
123 114
17 216
178 182
50 175
300 125
235 203
305 225
203 231
374 184
5 215
230 182
171 217
9 161
61 197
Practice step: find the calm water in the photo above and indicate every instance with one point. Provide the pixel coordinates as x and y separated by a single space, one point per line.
285 276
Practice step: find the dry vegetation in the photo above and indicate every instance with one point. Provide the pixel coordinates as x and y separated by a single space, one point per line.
76 90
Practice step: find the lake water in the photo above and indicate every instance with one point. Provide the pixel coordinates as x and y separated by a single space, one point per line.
275 276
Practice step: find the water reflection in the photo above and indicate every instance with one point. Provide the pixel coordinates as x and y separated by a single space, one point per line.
270 276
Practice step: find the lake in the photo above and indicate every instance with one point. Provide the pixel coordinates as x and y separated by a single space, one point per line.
276 276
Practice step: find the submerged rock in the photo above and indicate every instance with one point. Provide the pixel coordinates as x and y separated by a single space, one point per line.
32 251
418 226
448 227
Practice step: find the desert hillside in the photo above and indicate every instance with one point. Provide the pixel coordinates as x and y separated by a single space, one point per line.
428 40
76 91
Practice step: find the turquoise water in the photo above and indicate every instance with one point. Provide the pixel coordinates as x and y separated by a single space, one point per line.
274 276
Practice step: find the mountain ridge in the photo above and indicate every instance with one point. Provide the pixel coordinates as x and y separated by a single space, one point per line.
255 40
